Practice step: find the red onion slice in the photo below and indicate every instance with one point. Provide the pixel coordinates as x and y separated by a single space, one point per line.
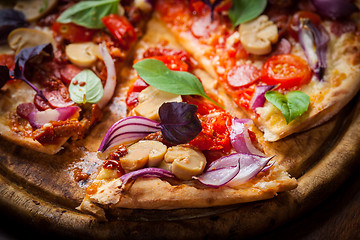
38 118
334 9
126 131
314 41
219 177
145 172
110 84
240 139
233 170
258 98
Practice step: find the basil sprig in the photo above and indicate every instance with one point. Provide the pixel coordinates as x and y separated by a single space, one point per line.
156 74
245 10
292 105
86 87
89 13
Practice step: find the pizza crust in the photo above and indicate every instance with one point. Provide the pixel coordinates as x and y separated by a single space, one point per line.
10 97
155 193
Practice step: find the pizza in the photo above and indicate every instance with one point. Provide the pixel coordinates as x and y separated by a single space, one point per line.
57 76
307 56
209 84
165 163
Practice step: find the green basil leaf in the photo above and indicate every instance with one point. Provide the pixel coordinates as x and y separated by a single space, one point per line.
89 13
156 74
292 105
245 10
86 87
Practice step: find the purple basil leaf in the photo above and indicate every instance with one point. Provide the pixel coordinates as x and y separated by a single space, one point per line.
179 123
4 75
9 20
30 56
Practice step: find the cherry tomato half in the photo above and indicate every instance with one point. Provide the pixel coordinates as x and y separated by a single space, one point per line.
295 22
287 70
72 32
121 29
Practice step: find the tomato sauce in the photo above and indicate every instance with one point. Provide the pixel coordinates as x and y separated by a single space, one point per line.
216 124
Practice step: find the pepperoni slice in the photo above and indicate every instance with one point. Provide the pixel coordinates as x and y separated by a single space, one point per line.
68 72
203 26
40 104
243 75
58 98
283 47
24 109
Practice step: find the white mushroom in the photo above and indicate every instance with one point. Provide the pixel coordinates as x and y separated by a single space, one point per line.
34 9
27 37
142 153
186 162
82 54
151 99
257 35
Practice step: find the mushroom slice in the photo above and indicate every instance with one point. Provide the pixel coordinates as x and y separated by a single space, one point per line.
142 153
34 9
257 35
186 162
151 99
82 54
27 37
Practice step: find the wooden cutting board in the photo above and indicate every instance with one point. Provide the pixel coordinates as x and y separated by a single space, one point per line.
42 189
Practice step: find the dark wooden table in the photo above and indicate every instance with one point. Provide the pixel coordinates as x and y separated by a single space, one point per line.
338 217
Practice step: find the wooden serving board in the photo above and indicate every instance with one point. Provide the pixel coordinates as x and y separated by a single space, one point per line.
45 190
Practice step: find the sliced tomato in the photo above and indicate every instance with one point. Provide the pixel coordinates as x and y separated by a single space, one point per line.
215 133
287 70
68 72
7 60
174 63
204 105
132 96
72 32
243 75
121 29
293 27
243 97
159 51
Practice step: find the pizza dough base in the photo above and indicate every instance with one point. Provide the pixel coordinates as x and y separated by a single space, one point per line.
10 97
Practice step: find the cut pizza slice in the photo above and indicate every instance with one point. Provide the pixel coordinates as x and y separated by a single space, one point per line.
60 66
289 68
179 148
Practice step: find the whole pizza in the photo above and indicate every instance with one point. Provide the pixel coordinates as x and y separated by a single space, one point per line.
209 84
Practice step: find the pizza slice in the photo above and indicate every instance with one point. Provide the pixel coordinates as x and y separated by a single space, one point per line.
178 148
288 65
59 66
